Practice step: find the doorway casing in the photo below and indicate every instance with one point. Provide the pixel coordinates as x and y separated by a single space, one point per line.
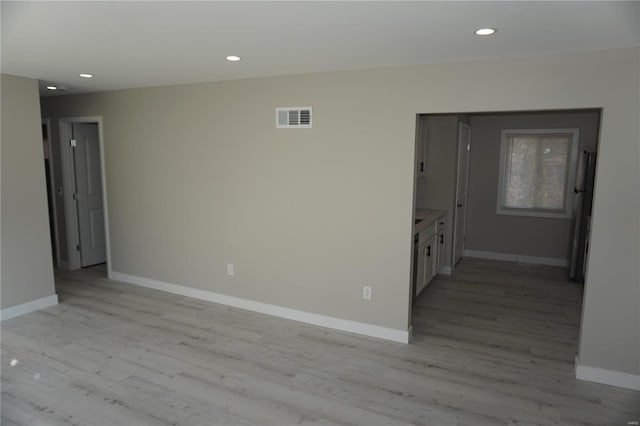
461 193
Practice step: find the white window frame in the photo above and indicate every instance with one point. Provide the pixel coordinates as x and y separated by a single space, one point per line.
567 212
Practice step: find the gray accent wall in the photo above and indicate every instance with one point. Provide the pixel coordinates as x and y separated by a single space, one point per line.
26 260
522 235
198 176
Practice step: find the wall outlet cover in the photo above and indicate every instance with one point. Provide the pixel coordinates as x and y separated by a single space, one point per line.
366 293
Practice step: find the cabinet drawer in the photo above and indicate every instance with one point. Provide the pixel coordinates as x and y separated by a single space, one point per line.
428 232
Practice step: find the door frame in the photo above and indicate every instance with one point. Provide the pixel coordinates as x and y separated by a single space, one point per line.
57 258
69 184
466 198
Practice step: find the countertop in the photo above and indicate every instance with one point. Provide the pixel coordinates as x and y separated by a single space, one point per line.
428 216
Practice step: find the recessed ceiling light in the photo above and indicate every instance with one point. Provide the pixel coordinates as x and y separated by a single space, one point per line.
84 75
233 58
485 31
52 88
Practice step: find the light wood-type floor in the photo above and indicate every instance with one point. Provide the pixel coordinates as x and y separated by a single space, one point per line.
494 344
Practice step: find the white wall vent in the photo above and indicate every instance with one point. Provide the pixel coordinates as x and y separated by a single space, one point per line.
293 117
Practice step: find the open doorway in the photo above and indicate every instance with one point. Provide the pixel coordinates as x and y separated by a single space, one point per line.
84 183
519 249
512 186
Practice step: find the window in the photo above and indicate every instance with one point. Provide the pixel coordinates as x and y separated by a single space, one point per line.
537 172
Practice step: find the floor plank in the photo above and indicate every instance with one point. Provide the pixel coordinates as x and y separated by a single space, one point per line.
493 344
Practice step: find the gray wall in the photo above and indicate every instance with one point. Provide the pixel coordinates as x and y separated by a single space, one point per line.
198 176
27 271
529 236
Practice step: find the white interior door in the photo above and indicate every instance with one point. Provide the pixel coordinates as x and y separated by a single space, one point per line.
462 181
88 177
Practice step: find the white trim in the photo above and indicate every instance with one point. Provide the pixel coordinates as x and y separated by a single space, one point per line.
25 308
392 334
54 195
564 213
105 204
607 377
445 270
454 226
70 207
481 254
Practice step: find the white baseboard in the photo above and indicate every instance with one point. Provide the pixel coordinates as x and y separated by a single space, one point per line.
607 377
265 308
25 308
481 254
445 270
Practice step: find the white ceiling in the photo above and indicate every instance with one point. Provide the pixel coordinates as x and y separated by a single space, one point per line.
152 43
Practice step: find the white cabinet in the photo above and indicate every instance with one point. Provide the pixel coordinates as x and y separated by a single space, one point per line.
442 244
426 261
420 281
431 251
430 260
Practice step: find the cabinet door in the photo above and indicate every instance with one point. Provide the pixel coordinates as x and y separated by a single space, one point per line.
420 273
426 263
442 247
430 260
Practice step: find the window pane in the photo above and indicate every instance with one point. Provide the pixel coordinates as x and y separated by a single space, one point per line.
537 171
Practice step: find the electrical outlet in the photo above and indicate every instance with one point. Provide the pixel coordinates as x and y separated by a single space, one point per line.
230 270
366 292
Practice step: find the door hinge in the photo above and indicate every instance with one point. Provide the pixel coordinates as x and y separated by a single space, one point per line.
77 247
73 143
75 196
468 147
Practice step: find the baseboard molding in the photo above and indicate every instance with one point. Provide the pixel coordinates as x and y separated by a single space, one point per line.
25 308
445 270
607 377
265 308
481 254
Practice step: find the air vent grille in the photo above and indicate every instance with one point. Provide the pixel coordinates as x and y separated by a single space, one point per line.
293 117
